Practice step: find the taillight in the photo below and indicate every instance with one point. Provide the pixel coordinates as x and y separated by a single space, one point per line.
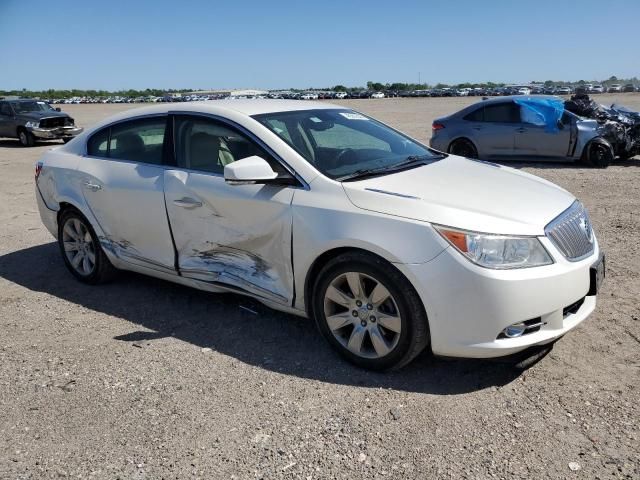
38 169
436 126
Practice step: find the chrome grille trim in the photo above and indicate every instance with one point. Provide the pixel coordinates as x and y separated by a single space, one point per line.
571 232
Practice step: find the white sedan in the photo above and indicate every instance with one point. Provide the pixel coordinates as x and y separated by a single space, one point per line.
320 211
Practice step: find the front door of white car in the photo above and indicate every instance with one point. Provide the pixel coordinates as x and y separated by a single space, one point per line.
232 235
122 181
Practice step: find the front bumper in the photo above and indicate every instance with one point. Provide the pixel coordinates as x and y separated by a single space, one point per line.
469 306
56 132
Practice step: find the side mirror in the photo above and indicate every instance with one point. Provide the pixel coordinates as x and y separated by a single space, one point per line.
249 170
58 109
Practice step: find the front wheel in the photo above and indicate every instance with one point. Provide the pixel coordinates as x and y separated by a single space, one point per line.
81 249
599 155
369 312
26 138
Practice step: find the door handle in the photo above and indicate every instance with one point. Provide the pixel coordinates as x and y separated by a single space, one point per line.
521 130
94 187
186 202
477 128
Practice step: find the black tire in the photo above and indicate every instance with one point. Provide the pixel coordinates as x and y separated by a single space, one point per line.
414 334
26 138
463 148
102 270
599 154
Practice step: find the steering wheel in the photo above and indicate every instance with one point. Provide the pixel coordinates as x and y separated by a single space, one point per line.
343 157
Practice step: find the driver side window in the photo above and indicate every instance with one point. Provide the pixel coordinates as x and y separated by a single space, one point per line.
207 145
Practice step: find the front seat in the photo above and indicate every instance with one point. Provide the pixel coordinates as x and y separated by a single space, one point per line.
204 152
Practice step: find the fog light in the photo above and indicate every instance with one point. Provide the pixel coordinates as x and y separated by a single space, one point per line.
515 330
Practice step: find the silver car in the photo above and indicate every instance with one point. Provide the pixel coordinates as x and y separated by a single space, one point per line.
521 128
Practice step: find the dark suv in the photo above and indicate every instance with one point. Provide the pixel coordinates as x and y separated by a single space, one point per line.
30 120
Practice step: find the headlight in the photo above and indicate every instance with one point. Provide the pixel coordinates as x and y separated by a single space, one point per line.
32 124
497 251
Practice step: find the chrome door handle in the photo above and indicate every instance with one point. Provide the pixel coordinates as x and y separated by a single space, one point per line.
186 202
92 186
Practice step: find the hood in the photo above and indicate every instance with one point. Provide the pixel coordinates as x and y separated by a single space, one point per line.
41 115
465 194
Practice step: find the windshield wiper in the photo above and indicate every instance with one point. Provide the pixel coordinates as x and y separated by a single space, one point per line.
410 161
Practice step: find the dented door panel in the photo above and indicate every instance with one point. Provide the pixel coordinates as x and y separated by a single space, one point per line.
127 201
238 236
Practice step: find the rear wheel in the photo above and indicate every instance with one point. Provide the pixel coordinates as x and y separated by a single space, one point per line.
81 249
463 148
369 312
26 138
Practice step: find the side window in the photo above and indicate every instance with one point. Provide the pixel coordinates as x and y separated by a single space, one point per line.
206 145
138 140
475 116
5 109
502 113
97 146
530 116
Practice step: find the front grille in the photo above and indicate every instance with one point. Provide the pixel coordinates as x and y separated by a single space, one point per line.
56 122
571 232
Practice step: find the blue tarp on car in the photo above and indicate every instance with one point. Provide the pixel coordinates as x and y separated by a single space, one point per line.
541 111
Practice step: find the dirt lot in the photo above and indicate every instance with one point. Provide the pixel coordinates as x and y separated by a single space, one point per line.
142 379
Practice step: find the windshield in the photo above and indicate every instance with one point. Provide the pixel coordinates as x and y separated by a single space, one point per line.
341 143
26 107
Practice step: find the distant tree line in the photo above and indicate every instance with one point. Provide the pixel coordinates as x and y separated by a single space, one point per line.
376 86
55 94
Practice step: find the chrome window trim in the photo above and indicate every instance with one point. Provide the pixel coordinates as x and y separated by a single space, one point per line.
117 122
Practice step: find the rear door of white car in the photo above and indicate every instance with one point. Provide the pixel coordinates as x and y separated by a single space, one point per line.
122 182
233 235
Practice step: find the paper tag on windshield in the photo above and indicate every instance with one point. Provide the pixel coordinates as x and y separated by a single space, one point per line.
353 116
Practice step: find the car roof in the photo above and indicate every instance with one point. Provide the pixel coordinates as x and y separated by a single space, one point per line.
244 106
513 97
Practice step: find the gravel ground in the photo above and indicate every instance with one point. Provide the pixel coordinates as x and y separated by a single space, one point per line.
143 379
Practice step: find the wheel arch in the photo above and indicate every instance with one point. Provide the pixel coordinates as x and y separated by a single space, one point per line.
596 140
461 137
321 260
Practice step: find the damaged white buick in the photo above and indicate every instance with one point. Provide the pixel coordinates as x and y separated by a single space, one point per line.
320 211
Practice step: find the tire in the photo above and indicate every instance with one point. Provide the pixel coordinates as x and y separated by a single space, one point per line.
78 242
599 154
26 138
354 326
463 148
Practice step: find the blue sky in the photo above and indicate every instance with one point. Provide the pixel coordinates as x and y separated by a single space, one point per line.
279 44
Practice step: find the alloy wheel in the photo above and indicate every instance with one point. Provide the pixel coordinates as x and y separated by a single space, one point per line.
362 315
78 246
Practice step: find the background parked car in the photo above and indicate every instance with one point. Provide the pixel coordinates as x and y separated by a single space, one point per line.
510 128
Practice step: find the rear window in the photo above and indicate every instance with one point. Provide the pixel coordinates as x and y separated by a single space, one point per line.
139 140
476 115
502 113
